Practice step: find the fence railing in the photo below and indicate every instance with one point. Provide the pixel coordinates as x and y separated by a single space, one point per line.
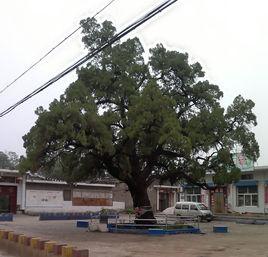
162 220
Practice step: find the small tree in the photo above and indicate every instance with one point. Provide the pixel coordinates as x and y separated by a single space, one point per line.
8 160
140 121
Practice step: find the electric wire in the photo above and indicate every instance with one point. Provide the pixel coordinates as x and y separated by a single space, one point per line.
51 50
93 53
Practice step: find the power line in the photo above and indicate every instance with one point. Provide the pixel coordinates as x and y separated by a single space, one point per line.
115 38
51 50
94 52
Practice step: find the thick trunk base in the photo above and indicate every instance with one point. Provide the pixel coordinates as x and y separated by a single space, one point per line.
145 215
142 205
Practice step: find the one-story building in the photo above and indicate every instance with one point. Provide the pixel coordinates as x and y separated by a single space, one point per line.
33 194
248 195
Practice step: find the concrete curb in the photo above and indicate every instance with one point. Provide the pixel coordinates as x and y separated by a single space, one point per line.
36 246
249 220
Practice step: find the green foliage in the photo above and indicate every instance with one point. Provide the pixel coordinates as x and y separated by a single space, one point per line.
139 120
8 160
130 211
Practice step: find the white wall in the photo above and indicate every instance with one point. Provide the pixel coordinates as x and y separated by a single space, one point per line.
19 194
119 205
205 197
67 207
52 201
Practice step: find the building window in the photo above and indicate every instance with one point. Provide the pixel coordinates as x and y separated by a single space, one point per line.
193 194
67 195
247 196
246 176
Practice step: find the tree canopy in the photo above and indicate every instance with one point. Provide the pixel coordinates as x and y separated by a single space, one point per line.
140 120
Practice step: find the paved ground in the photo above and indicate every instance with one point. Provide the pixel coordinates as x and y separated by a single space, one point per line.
243 240
4 254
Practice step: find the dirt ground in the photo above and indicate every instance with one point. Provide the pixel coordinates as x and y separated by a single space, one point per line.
242 240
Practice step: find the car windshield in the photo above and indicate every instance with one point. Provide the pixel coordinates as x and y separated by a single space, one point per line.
202 206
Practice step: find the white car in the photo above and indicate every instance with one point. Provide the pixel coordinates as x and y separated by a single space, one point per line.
169 210
190 209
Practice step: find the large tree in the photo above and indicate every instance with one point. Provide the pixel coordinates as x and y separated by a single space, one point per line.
140 120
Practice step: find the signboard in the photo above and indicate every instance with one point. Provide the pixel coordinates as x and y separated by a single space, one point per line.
242 162
92 198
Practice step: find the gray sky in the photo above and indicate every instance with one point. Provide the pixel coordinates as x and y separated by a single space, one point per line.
229 38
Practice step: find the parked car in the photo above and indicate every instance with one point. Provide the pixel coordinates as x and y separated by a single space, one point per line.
190 209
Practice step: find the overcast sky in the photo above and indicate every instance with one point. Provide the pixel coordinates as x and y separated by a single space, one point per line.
229 38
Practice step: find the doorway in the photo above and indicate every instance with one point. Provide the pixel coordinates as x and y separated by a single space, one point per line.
163 200
4 204
219 202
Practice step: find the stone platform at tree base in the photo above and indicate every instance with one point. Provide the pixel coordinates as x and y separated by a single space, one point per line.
149 230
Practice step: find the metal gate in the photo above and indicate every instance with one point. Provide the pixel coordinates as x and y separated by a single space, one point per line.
8 199
4 203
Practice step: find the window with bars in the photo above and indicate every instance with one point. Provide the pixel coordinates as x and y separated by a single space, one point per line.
193 194
247 196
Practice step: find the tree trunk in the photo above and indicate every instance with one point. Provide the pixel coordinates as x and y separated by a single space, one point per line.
141 204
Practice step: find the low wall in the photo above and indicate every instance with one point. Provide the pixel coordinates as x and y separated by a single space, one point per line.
6 217
67 207
74 216
25 246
